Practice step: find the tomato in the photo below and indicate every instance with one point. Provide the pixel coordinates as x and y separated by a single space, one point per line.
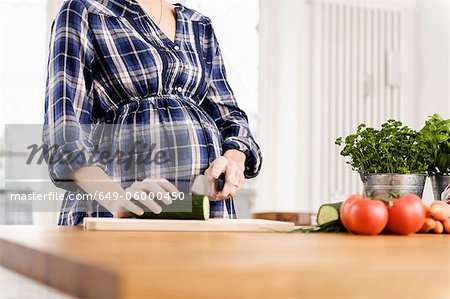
345 207
364 216
406 215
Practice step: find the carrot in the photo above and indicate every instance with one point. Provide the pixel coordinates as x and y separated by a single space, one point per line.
427 211
439 228
428 225
440 210
446 224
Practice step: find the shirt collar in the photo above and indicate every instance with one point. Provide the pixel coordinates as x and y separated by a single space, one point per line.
124 8
119 7
133 6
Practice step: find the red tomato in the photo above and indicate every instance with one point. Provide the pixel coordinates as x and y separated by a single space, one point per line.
406 215
364 216
345 207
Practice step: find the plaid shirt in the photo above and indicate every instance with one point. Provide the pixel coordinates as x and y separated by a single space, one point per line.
115 80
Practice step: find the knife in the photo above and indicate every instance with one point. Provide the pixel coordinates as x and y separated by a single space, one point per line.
203 185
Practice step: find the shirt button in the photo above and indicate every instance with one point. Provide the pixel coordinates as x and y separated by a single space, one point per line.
186 66
179 89
176 48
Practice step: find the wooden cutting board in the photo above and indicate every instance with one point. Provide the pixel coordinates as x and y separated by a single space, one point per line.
212 225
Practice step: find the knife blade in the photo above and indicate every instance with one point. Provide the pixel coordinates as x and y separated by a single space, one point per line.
204 185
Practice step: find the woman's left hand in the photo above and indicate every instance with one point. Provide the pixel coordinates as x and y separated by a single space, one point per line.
232 164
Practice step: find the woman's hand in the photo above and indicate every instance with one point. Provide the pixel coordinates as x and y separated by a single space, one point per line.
148 192
232 164
96 182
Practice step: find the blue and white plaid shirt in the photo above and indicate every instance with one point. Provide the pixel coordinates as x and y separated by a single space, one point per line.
111 65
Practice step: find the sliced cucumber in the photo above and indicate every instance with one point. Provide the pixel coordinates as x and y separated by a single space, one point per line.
200 210
328 213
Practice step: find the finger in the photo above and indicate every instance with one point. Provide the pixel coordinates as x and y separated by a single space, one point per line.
232 178
135 184
152 206
228 189
168 186
233 190
129 206
218 166
241 180
232 174
121 214
159 192
136 193
227 193
208 172
210 176
142 196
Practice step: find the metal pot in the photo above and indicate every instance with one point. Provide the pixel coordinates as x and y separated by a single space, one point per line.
385 186
439 183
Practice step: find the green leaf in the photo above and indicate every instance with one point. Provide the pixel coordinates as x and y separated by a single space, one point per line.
394 148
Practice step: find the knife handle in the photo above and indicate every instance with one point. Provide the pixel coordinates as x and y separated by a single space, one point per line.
220 182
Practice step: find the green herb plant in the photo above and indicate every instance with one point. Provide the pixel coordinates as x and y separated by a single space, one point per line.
437 130
395 148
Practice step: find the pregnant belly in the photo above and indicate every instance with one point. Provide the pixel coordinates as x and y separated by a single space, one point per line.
163 137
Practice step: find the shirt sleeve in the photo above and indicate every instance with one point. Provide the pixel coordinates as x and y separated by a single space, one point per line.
68 101
221 105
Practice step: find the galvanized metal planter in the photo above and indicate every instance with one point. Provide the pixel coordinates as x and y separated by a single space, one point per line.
439 183
389 185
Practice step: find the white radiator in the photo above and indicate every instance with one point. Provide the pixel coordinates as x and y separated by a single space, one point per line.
356 75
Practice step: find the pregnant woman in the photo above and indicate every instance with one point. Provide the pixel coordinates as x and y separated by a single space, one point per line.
127 78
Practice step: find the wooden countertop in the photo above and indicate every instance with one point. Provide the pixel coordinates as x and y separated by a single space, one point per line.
94 264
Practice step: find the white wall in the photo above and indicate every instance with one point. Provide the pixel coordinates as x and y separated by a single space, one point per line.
284 30
431 63
22 61
285 90
432 58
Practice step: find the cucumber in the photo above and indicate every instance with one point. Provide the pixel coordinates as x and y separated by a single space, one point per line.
328 220
328 213
199 211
